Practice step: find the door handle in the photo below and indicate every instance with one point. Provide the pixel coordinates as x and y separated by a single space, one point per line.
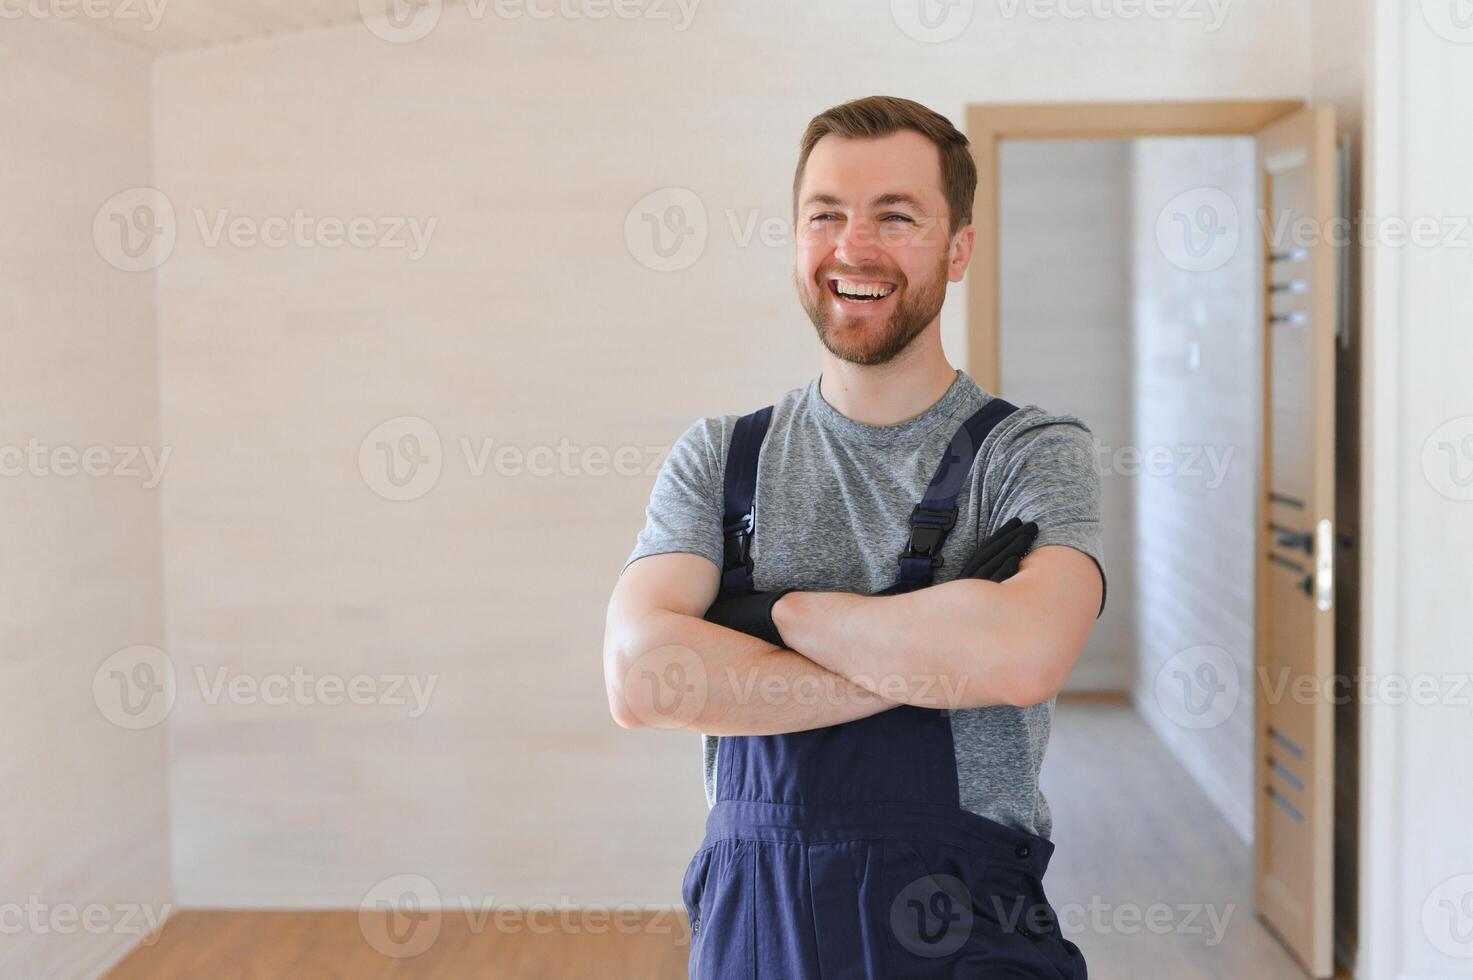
1324 565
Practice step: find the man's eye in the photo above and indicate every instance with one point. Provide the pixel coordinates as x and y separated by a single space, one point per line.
902 217
821 217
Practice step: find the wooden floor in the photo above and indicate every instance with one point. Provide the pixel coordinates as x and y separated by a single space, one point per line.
1131 832
274 945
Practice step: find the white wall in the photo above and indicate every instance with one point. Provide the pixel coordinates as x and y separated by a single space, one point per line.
529 320
1065 267
1417 786
1198 418
83 801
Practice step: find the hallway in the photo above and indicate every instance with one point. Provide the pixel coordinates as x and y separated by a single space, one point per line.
1133 832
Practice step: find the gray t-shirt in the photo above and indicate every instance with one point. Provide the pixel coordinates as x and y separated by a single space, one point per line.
833 501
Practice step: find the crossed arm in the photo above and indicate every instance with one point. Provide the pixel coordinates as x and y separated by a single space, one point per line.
965 643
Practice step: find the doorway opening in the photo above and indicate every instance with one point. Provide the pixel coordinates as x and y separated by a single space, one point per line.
1137 266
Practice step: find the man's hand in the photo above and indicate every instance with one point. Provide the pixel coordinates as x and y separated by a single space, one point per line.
966 643
998 556
665 667
995 560
750 614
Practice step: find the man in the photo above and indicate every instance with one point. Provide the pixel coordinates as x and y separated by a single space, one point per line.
874 712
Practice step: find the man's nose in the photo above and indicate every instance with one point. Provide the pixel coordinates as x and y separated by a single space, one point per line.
857 243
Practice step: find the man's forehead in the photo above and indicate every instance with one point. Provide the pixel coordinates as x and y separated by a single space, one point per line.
901 168
884 199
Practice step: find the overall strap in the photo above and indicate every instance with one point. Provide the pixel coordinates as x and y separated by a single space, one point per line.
739 520
932 519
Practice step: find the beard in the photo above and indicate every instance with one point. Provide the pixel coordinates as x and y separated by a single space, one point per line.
861 339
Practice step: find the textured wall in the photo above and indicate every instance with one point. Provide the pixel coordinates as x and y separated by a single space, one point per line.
538 312
1065 262
1198 390
83 796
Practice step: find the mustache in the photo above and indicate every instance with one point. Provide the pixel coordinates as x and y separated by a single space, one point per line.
884 275
822 279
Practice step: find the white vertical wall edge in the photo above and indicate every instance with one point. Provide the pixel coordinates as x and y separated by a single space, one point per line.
1380 736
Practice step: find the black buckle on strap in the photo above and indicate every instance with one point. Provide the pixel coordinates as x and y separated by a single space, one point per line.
738 545
928 530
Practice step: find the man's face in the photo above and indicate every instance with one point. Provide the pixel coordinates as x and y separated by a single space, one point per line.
872 220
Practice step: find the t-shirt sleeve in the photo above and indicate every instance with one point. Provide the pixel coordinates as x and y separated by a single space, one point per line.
684 512
1045 471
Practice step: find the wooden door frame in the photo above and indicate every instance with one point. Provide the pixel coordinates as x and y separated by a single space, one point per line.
988 124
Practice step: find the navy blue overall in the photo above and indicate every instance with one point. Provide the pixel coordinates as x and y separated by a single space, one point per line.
843 852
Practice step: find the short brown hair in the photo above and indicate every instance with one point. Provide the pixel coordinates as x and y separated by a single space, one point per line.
880 115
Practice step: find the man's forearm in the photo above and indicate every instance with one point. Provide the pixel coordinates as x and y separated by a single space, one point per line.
959 644
681 672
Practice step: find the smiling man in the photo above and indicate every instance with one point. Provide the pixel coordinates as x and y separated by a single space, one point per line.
873 714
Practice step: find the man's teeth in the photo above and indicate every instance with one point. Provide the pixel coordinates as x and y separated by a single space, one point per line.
862 290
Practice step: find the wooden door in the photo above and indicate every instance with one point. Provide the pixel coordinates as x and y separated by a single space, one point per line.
1294 742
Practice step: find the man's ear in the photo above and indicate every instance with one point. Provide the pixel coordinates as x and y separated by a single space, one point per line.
961 253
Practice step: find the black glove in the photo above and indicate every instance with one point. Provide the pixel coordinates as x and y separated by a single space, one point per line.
750 614
998 556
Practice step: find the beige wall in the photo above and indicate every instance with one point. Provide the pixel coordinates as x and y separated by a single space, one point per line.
1198 385
83 801
530 319
1065 267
